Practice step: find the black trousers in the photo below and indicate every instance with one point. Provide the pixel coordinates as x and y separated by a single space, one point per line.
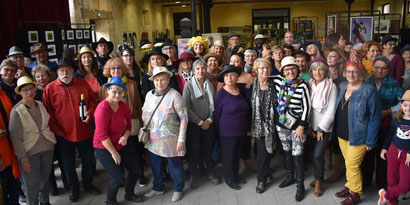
263 159
230 154
199 144
246 148
10 187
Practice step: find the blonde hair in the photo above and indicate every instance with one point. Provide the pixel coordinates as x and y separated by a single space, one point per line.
259 61
116 61
39 68
150 68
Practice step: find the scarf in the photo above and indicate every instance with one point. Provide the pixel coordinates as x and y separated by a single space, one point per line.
266 118
187 76
203 92
124 80
283 101
368 65
161 93
320 93
248 69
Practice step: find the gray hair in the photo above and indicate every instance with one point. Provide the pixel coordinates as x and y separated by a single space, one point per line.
8 62
250 50
382 58
319 64
199 62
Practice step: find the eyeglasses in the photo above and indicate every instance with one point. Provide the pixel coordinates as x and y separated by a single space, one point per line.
353 72
115 68
290 69
27 90
7 70
264 68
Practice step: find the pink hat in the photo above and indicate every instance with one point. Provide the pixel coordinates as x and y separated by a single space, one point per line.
318 59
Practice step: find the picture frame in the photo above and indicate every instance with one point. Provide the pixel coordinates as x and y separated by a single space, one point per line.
79 46
74 47
384 26
52 48
32 36
55 60
49 36
86 34
70 34
361 29
79 34
331 24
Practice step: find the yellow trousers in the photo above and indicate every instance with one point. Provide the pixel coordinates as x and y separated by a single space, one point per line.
353 159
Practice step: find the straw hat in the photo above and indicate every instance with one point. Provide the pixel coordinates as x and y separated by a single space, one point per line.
159 70
23 81
406 96
85 49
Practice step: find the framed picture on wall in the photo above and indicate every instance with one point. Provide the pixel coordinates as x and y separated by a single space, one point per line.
33 36
79 46
86 34
49 36
384 26
331 24
52 48
79 34
361 29
74 47
70 34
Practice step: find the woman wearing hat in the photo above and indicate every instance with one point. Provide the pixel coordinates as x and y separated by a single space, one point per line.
323 98
357 121
263 102
8 82
166 112
199 98
185 73
33 142
218 48
231 120
155 58
213 62
294 110
389 93
369 51
112 141
314 49
198 45
396 62
88 69
405 53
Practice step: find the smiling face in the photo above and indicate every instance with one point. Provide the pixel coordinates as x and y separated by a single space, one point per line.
115 93
372 53
236 61
116 70
219 50
231 78
186 65
87 60
42 57
212 63
352 74
333 59
302 62
234 41
161 81
8 73
290 72
389 47
406 56
170 51
156 61
289 37
318 74
42 78
405 106
65 73
250 57
264 70
198 48
380 70
127 58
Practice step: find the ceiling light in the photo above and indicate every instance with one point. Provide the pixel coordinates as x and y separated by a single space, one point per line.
183 5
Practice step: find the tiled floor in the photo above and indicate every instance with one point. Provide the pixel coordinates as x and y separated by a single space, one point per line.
208 194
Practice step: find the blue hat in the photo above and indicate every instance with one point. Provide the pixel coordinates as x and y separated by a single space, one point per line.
116 81
316 43
405 48
234 34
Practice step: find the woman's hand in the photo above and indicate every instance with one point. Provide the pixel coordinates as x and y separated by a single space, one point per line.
205 125
299 134
407 162
123 141
383 154
25 163
319 136
116 157
180 147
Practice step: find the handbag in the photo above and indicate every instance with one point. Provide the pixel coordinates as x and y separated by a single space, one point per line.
143 134
289 120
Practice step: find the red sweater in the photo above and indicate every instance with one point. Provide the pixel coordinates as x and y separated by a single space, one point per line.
109 124
62 103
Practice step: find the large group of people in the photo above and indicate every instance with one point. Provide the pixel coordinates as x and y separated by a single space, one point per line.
212 104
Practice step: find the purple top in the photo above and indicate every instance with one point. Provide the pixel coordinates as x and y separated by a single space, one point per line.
231 114
397 68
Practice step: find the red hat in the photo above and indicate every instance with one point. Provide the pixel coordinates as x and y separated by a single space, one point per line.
318 59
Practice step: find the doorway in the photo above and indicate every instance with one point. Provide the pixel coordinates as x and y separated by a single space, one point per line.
272 23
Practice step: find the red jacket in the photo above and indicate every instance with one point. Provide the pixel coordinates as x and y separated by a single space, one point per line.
62 103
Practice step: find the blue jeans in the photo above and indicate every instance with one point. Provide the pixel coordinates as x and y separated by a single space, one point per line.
176 170
68 156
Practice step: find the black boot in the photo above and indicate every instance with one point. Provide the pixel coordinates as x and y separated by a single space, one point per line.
112 196
289 171
129 190
300 177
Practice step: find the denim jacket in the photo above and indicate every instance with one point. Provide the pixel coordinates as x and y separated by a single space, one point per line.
364 114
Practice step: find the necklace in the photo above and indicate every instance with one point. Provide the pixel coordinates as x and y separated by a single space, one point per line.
344 102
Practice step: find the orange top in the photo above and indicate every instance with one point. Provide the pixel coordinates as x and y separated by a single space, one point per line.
6 148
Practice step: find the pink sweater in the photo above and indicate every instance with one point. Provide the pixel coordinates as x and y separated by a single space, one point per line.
109 124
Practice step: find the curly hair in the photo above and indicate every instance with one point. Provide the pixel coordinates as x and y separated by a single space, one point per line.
366 48
114 62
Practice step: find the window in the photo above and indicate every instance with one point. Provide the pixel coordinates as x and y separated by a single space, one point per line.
386 8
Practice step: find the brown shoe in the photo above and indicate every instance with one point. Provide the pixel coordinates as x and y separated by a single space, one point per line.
313 183
343 193
353 198
318 188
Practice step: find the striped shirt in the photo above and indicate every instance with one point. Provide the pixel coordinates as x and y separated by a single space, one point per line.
299 106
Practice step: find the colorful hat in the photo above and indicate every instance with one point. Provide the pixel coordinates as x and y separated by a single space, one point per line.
201 39
219 43
116 80
354 56
24 80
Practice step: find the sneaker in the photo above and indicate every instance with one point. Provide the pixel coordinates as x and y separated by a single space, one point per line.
176 196
382 200
153 193
143 181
